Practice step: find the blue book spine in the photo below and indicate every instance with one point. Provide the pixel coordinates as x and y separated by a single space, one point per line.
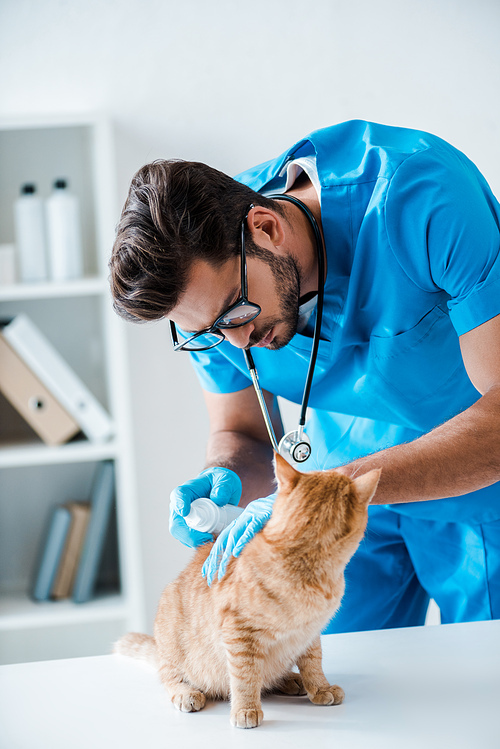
52 553
103 493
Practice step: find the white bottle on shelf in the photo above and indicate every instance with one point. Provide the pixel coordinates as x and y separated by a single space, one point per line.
64 234
208 517
31 245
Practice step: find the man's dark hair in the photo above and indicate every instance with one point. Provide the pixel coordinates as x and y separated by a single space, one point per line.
176 212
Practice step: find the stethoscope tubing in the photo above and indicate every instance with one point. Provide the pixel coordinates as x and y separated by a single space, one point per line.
320 251
260 396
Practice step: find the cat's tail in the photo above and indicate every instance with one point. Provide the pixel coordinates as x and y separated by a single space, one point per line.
138 646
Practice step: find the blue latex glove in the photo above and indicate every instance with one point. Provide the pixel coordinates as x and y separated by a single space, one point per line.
221 485
234 538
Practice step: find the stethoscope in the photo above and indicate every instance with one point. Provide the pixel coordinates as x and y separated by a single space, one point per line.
296 444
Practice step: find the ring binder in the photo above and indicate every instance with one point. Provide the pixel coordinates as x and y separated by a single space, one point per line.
59 381
32 400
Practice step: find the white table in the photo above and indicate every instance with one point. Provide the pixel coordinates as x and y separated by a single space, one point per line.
425 687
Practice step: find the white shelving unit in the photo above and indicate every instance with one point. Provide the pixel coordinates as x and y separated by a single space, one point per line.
77 317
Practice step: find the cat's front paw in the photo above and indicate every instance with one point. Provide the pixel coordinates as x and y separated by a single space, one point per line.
291 684
189 702
332 695
247 718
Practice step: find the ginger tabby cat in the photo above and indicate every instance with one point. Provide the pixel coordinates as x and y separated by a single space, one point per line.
241 636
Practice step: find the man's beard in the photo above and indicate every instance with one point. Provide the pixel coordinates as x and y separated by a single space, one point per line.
286 275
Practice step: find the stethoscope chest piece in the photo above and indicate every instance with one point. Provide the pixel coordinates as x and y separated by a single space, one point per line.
296 446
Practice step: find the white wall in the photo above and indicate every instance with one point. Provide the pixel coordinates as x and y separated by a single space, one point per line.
233 84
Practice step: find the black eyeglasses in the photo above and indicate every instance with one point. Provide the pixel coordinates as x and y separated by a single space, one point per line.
238 314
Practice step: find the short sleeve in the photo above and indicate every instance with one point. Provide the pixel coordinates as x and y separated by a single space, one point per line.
217 373
443 222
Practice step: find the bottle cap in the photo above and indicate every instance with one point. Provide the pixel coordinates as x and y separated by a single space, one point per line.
60 184
28 189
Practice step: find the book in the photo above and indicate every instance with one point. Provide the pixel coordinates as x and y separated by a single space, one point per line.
108 578
31 399
58 377
102 500
52 551
68 565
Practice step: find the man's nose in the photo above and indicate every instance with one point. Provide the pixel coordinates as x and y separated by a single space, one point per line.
239 337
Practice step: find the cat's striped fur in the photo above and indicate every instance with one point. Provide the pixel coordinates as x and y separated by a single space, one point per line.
242 636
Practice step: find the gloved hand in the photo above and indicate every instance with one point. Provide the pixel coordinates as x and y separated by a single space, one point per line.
221 485
232 539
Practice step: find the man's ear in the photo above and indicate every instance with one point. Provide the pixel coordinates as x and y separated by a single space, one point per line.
285 473
265 225
366 485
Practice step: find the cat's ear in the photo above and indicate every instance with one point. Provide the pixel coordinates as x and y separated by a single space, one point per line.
366 485
285 473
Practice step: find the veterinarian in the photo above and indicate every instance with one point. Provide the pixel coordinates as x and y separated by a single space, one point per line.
407 376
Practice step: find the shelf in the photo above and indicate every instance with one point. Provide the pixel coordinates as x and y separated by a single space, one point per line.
53 289
20 612
77 318
37 454
40 121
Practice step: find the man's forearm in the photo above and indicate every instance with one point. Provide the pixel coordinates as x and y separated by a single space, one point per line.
460 456
251 459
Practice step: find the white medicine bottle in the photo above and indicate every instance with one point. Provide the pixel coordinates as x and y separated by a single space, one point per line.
64 233
29 222
208 517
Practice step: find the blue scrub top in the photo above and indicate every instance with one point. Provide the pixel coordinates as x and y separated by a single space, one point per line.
412 239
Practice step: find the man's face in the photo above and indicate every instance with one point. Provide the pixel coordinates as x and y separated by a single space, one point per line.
273 284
